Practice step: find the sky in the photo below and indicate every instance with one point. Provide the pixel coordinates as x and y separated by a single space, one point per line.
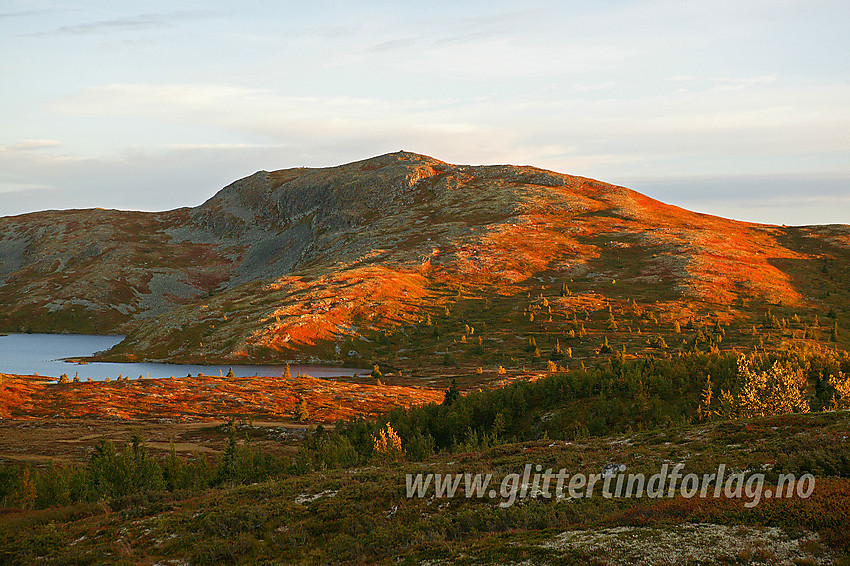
737 108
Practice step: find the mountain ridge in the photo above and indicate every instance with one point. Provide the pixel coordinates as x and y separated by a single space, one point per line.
317 263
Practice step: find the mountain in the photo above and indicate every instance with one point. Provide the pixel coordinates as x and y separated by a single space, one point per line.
410 262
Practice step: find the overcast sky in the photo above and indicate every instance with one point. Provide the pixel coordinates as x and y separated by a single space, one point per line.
738 108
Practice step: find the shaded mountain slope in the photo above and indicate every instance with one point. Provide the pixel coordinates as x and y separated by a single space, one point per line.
398 257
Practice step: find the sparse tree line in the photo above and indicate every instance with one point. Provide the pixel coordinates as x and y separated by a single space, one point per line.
114 472
618 395
539 328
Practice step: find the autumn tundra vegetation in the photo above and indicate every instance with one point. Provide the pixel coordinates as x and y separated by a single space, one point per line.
498 317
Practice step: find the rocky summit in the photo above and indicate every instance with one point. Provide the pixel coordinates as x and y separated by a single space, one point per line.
405 260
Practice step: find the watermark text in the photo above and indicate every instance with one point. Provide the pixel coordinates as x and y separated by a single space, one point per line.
536 483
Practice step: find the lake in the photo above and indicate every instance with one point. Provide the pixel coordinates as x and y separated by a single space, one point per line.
43 354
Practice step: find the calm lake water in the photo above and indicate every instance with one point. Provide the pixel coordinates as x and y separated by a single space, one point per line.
42 354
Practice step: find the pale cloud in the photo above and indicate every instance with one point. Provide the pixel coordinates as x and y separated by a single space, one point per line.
263 111
21 14
203 146
394 44
757 127
744 82
20 187
129 23
609 85
30 145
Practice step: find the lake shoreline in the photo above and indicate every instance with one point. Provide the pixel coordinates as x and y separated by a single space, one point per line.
106 357
87 356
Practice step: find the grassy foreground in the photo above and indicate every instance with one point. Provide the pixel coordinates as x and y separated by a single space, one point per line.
300 514
264 493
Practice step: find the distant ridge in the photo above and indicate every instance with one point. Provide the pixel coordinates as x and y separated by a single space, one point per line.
325 263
